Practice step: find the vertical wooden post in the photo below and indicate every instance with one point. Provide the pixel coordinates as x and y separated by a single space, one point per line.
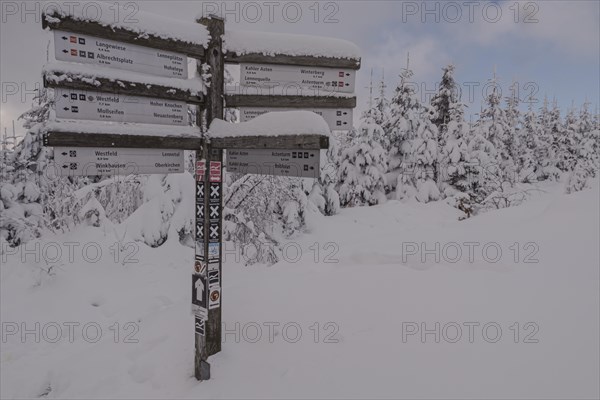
215 96
209 244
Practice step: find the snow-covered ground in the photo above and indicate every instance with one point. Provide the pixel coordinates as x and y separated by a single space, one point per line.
358 301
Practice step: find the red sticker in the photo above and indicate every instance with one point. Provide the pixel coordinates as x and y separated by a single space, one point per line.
215 171
200 167
73 52
73 39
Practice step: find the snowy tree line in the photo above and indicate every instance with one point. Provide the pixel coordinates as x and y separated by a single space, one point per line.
408 150
402 149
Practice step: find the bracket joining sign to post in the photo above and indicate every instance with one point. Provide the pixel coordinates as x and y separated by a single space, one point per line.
112 121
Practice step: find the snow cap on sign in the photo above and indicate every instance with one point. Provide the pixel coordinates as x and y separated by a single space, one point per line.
281 123
119 128
58 71
269 43
128 18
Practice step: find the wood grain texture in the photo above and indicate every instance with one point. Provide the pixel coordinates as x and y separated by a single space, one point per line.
283 59
288 142
76 139
249 100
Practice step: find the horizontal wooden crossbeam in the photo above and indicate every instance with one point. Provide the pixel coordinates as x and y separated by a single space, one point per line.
124 87
248 100
77 139
283 59
284 142
93 28
287 142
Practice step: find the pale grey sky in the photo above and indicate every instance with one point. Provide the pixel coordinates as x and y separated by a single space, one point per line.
547 47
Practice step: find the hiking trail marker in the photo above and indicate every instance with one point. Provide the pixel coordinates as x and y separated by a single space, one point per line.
125 109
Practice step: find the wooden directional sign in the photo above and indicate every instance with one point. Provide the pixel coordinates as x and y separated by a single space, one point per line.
338 119
89 161
109 53
300 163
113 107
327 80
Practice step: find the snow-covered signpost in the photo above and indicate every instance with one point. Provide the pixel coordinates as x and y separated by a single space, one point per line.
122 92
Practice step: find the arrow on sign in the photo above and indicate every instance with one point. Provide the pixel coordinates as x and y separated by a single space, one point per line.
64 38
64 153
65 51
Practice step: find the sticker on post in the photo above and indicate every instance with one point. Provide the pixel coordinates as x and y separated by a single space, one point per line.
200 191
214 278
199 295
199 250
200 169
199 231
215 171
215 192
214 300
199 267
199 326
213 251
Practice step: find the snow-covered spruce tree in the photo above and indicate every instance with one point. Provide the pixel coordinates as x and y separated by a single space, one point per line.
167 211
455 159
381 107
568 141
25 192
512 133
550 126
323 193
443 101
257 226
493 147
493 124
401 128
424 156
529 165
361 178
587 159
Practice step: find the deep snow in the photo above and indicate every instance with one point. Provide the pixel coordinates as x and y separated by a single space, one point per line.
366 295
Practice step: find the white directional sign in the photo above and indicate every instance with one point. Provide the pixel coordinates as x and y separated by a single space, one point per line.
80 104
301 163
338 119
290 76
90 161
93 50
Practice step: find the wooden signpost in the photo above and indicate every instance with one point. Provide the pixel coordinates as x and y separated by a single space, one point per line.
121 107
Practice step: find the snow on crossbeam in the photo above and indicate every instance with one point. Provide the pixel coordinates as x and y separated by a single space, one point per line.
290 49
276 130
88 77
125 24
74 133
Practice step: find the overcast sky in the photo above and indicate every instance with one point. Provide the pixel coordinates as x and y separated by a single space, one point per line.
547 47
